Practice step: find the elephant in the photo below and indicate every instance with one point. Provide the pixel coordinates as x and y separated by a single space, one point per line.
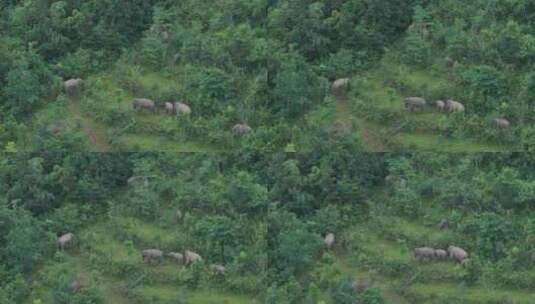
150 255
191 257
329 240
454 106
178 257
441 105
182 108
65 241
441 253
424 252
220 269
241 129
457 253
143 103
73 86
170 108
340 86
502 123
415 103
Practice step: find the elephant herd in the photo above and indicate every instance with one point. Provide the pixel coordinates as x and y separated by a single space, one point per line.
74 86
456 253
414 104
417 104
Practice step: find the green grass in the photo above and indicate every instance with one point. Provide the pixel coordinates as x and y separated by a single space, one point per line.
173 294
377 98
433 142
103 239
436 292
436 281
151 142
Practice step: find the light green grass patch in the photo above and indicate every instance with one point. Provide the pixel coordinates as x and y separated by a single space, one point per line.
436 292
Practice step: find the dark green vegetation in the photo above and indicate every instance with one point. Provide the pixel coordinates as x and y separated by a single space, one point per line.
268 64
264 218
44 196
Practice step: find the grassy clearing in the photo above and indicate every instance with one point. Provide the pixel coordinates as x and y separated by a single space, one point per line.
442 292
377 101
150 142
104 240
172 294
436 281
433 142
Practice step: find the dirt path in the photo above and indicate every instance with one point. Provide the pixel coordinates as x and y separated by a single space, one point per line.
95 133
371 138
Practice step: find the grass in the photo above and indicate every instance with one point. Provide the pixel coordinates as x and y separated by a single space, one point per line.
104 239
377 98
435 292
433 142
172 294
151 142
436 281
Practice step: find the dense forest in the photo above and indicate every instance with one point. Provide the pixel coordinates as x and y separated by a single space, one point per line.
76 227
157 75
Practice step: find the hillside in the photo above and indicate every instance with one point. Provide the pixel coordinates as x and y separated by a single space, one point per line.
257 75
259 224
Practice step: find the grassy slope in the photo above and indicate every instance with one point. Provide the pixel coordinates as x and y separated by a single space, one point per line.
163 287
436 281
376 91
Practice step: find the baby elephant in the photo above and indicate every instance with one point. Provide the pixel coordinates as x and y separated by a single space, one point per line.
441 253
220 269
150 255
424 252
178 257
441 105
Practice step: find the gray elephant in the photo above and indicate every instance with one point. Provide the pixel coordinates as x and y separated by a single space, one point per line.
340 86
415 104
182 108
502 123
220 269
169 108
144 104
329 240
441 253
454 106
73 86
177 257
241 129
151 255
440 105
457 253
424 252
65 241
191 257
